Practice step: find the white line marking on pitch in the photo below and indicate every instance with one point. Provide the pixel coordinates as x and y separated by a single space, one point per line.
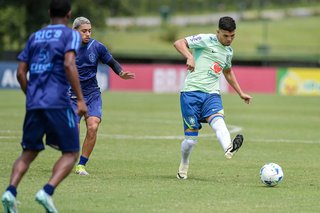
232 129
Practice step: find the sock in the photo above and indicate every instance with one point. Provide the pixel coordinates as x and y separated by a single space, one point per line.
83 160
48 189
187 145
217 123
13 190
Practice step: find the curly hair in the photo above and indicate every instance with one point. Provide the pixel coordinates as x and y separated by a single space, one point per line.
59 8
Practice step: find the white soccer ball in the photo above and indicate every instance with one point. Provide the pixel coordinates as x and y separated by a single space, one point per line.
271 174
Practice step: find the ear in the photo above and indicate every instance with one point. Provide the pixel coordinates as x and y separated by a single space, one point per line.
68 14
218 31
49 13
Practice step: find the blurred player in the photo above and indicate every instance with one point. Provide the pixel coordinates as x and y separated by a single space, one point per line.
49 56
87 62
200 99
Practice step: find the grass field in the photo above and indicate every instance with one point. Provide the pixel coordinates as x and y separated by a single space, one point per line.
134 164
295 37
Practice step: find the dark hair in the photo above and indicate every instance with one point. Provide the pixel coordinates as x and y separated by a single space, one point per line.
59 8
227 23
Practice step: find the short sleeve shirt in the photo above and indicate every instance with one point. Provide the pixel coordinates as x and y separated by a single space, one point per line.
211 57
87 64
44 53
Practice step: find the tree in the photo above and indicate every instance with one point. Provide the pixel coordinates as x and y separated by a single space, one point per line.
20 18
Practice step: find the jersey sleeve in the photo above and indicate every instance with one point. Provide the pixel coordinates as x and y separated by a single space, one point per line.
104 54
199 41
24 55
73 41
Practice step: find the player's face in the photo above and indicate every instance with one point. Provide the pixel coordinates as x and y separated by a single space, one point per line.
85 32
225 37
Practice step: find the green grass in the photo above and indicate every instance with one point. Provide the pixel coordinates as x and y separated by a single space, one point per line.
133 166
290 38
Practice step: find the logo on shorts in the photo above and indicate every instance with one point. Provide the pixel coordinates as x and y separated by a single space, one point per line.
192 120
92 57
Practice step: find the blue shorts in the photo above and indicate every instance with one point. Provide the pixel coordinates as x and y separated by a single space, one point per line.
58 125
94 108
196 106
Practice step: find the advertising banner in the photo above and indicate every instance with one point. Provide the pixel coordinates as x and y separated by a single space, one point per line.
8 76
299 81
158 78
255 79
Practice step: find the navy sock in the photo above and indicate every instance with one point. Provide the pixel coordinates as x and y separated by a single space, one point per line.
83 160
13 190
48 189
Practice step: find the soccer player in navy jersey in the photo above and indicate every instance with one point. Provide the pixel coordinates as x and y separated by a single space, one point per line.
87 62
49 57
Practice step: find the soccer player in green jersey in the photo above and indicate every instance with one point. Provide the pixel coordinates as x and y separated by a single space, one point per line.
200 99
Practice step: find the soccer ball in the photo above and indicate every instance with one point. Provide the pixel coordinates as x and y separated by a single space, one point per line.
271 174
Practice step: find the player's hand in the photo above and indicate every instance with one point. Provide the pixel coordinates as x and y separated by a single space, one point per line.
127 75
82 108
191 64
246 98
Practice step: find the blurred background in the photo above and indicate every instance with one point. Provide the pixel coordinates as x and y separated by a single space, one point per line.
281 36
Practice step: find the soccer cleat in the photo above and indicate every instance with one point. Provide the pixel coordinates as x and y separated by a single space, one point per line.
183 171
234 146
46 201
81 170
9 202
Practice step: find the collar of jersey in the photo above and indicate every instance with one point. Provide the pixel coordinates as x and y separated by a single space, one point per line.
56 25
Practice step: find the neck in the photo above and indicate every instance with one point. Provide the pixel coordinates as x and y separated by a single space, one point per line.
58 20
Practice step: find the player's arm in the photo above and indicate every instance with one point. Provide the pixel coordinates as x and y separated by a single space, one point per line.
73 77
116 67
182 47
231 78
22 75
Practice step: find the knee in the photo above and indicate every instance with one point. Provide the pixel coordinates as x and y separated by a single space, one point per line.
192 142
93 127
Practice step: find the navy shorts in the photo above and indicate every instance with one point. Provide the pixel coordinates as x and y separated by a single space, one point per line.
58 125
196 106
94 108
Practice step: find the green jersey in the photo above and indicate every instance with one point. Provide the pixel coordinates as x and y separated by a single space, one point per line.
211 57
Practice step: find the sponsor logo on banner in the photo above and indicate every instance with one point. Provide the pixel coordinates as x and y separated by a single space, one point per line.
168 80
299 81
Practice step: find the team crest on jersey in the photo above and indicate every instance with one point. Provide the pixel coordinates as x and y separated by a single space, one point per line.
216 67
92 57
228 58
192 120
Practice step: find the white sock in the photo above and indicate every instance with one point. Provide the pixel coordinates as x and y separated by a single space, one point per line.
186 149
217 124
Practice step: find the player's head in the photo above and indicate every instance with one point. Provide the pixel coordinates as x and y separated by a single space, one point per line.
83 26
60 9
226 31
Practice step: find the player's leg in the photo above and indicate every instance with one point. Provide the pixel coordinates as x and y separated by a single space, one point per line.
214 113
190 139
20 167
88 144
190 103
33 131
61 170
92 121
64 137
217 123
